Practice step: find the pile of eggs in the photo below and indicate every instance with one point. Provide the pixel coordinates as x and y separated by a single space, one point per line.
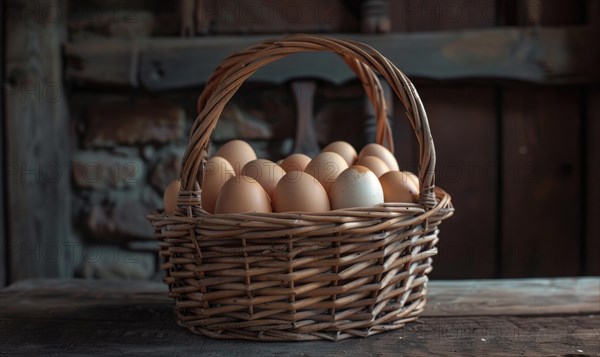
235 181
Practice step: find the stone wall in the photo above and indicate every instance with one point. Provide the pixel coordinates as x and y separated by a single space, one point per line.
128 144
129 147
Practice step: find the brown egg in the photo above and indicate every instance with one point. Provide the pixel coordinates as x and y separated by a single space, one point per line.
238 153
398 187
326 167
345 150
374 164
415 180
216 173
242 194
382 153
266 172
300 192
357 186
170 197
295 162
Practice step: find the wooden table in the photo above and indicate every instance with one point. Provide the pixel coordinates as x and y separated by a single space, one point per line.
476 317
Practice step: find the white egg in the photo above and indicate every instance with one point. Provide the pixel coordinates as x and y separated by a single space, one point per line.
356 186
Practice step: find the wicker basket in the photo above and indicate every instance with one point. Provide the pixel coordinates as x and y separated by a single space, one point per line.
301 276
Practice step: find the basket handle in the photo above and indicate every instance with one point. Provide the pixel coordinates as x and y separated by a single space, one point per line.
361 58
369 81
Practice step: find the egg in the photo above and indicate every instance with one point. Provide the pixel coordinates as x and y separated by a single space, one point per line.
357 186
216 172
374 164
295 162
238 153
382 153
170 197
300 192
414 178
326 167
242 194
265 172
398 187
344 149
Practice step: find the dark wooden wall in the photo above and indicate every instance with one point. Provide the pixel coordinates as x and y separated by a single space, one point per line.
463 122
3 223
520 157
541 212
37 142
521 164
591 181
528 205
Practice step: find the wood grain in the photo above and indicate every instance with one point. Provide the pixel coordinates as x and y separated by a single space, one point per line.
169 63
521 297
505 335
79 299
441 15
550 12
593 13
592 244
37 143
466 168
77 317
541 182
3 227
103 61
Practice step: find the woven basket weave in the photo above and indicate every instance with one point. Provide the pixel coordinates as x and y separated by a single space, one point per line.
301 276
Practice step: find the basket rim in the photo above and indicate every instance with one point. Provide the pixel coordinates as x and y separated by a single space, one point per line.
383 210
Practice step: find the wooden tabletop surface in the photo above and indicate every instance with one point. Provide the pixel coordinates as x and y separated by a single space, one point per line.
473 317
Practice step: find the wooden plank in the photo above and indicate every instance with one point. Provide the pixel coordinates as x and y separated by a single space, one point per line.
592 245
107 62
521 297
593 13
512 317
463 123
549 12
80 299
131 300
3 158
541 182
441 15
466 169
283 16
506 13
37 126
552 55
481 336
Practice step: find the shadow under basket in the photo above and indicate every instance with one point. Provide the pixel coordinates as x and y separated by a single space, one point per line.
301 276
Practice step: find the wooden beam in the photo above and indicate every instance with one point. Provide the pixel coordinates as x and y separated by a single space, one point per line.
37 142
547 55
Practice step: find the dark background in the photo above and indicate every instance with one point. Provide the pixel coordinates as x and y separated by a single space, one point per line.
98 98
